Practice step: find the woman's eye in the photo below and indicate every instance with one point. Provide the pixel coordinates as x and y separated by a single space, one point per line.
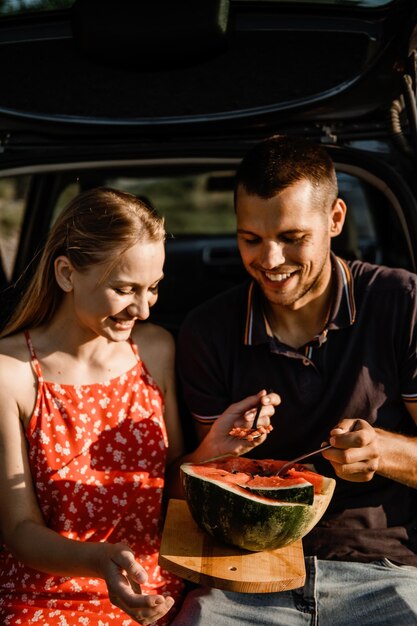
123 292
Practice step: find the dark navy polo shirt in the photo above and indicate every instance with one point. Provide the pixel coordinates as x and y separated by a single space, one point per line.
364 365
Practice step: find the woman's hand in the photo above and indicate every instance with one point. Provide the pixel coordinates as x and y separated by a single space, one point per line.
123 576
355 454
241 415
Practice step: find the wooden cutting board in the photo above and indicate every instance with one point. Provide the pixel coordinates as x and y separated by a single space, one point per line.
193 554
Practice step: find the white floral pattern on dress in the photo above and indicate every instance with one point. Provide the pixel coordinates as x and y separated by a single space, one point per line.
97 455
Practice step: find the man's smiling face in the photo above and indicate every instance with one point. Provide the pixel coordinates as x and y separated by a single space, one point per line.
284 242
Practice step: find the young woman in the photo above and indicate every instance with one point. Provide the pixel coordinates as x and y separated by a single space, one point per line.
88 423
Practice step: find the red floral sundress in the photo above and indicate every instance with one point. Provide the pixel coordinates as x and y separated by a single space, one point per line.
97 455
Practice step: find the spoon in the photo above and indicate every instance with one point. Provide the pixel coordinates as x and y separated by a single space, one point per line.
301 458
249 433
257 414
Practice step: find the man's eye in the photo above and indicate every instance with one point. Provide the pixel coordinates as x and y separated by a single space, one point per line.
293 239
154 290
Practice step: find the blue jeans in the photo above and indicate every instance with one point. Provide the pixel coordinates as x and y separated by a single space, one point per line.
335 594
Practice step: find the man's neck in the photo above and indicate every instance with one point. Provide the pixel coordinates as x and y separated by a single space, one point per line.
296 326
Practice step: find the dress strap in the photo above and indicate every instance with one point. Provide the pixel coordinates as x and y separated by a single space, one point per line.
35 362
134 348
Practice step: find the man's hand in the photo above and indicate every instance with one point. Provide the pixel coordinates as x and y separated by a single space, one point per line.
123 576
241 415
355 455
216 441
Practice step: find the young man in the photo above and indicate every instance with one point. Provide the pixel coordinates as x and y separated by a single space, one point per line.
337 341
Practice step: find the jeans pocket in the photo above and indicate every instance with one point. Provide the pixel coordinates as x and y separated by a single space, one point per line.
390 565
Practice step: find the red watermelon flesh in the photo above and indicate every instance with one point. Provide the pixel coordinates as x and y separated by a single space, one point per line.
259 473
260 477
242 502
312 477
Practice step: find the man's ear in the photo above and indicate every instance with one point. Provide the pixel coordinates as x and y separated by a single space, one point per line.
337 217
64 273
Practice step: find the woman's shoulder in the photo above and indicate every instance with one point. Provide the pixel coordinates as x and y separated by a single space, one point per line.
156 347
14 351
16 374
153 339
150 332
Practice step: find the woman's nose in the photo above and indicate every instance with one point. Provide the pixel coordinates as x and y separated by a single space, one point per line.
139 308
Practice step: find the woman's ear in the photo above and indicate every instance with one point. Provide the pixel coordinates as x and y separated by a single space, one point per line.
64 273
337 217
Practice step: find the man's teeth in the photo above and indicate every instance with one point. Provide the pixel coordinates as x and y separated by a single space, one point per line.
277 277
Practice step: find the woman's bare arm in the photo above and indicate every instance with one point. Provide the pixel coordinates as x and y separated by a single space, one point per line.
22 526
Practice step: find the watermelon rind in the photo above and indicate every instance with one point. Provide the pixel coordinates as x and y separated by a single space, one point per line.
235 516
303 493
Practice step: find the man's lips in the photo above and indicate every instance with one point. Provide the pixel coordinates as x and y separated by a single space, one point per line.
278 277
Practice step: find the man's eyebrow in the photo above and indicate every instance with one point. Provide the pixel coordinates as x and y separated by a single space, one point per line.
290 231
243 230
293 231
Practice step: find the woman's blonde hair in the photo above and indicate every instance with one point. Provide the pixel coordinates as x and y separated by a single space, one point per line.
97 226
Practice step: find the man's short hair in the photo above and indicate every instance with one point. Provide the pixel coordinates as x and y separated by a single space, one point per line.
280 161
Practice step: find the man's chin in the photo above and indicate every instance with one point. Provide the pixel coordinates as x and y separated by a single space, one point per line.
277 297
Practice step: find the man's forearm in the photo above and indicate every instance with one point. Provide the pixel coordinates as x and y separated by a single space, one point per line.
398 457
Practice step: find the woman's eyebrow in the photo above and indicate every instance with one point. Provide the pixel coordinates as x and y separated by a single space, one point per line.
126 281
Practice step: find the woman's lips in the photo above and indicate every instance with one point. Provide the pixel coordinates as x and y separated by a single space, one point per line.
123 323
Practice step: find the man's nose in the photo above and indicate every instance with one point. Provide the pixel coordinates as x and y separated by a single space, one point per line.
272 254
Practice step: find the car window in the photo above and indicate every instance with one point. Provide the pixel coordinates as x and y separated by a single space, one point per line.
359 236
200 204
196 200
193 204
13 197
190 204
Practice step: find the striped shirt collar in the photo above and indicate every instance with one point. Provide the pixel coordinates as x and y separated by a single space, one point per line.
342 314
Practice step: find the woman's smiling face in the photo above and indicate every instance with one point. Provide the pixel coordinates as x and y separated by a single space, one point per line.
108 303
284 242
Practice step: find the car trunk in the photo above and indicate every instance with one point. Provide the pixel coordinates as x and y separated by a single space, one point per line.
122 92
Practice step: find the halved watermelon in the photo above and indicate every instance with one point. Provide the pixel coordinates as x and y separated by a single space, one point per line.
241 501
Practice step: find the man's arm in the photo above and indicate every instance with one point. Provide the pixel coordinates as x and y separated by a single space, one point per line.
399 453
215 441
360 451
